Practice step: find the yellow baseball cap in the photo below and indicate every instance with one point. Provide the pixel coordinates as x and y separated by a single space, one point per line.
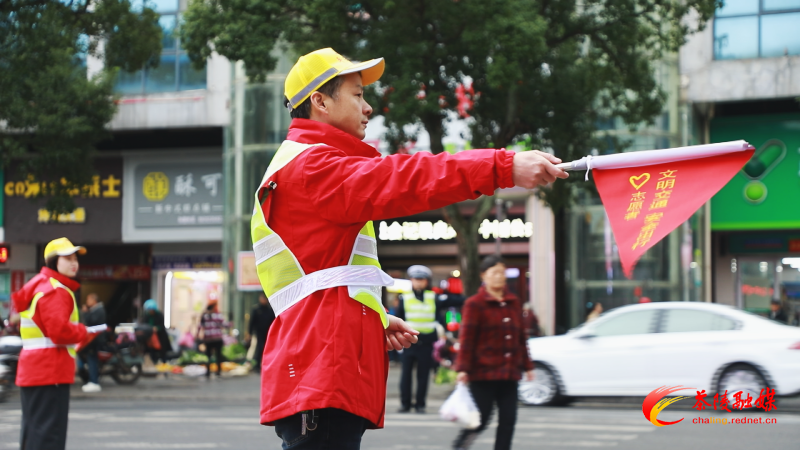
62 247
318 67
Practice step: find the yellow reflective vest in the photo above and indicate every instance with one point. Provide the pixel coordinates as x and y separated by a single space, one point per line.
32 336
420 315
284 281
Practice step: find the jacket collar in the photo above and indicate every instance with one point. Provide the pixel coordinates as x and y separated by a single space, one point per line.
308 131
508 296
66 281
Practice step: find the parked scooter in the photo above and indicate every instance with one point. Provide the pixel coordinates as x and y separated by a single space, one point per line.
10 348
120 358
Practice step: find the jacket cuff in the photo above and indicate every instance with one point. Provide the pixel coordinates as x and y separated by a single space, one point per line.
503 168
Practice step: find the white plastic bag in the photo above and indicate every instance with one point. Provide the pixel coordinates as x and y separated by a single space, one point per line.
461 408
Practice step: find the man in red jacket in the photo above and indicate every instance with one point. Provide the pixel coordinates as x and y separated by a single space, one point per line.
50 332
325 364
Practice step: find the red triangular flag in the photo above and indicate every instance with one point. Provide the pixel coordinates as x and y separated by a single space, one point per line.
646 203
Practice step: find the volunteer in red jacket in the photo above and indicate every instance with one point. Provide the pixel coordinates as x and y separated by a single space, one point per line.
50 330
325 363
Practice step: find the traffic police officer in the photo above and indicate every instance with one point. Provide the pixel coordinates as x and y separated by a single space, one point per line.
418 309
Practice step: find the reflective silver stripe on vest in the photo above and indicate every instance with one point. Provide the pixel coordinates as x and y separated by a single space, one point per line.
312 86
43 342
24 322
413 315
354 277
365 246
416 325
37 343
268 247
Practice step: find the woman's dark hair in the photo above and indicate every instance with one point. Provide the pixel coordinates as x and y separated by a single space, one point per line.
491 261
52 263
303 111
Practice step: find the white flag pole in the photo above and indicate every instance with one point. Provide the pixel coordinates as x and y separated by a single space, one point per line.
652 157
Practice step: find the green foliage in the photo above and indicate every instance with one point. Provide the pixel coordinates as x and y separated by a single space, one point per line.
192 357
51 113
234 352
445 375
545 69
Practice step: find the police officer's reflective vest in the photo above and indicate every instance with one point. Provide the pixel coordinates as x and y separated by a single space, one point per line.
420 315
283 279
32 336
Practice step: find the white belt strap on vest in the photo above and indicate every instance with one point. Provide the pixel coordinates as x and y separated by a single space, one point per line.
283 279
357 279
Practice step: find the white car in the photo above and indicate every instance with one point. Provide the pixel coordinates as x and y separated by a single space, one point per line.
634 349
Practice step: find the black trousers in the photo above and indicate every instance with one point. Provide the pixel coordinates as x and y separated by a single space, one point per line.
216 348
486 394
45 411
327 428
421 355
259 353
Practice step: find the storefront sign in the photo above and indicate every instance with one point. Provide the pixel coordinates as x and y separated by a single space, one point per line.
775 242
763 195
178 194
246 275
77 216
114 272
106 186
187 262
513 229
97 216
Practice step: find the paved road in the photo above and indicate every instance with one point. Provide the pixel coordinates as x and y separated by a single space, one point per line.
109 424
191 414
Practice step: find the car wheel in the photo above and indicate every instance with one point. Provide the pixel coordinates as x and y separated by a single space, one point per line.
543 390
742 378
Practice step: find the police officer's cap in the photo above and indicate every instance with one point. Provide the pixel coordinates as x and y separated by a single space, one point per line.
420 272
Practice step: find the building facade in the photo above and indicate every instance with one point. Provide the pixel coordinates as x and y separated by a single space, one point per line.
152 218
741 78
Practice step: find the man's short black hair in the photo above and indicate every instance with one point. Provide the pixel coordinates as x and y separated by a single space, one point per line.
303 110
491 261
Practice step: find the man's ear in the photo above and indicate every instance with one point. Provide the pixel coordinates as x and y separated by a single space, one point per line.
318 103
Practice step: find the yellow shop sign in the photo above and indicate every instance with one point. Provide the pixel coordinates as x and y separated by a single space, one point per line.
77 216
106 187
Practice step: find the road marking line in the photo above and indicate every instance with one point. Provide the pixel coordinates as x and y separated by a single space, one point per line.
616 437
585 427
159 445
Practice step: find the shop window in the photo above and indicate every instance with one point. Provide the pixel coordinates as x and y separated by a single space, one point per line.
756 29
174 72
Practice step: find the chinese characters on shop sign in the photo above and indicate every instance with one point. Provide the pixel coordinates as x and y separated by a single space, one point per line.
178 195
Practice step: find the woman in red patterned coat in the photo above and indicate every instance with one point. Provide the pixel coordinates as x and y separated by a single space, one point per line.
493 353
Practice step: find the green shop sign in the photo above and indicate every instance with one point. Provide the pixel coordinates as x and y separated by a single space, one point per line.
765 194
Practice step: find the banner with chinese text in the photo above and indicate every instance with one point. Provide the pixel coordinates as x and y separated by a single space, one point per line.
646 203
